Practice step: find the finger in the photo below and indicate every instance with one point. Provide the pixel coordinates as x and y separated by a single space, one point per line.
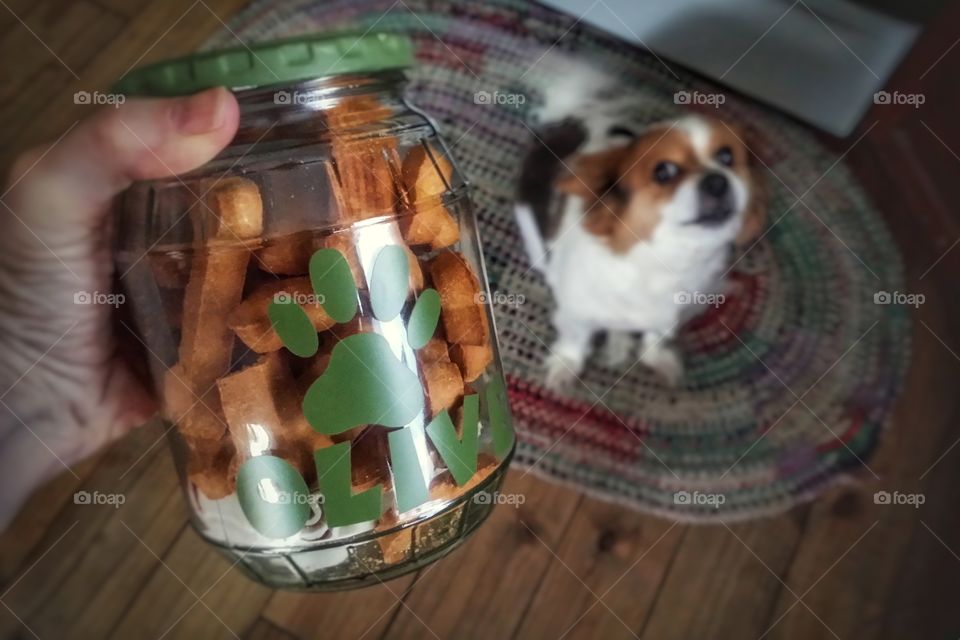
141 139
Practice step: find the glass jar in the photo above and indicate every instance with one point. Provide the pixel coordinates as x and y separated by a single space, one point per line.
315 309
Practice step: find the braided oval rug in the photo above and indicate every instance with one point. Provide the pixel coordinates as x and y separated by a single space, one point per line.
788 383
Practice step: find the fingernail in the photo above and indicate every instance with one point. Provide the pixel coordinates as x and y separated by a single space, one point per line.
200 113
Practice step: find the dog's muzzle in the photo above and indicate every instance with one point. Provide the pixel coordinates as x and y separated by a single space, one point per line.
715 200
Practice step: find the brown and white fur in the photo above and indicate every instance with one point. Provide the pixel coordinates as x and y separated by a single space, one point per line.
633 222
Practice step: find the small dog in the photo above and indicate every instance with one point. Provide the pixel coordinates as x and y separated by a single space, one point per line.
633 228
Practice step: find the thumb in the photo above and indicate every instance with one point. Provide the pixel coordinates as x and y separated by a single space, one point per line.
141 139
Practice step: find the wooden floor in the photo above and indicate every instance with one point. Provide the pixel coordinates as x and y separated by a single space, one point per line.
561 565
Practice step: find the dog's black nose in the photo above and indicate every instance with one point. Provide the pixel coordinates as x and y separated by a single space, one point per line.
714 184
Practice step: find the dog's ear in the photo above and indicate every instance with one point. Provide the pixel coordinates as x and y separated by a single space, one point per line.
590 175
755 216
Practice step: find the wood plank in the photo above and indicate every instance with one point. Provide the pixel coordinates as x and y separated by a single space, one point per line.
84 543
74 33
31 526
193 593
364 613
144 38
55 595
482 589
851 597
723 581
608 569
263 629
923 601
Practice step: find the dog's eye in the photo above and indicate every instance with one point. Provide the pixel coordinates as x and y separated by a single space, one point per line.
665 172
724 156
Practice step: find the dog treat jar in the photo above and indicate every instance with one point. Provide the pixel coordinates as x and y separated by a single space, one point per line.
313 305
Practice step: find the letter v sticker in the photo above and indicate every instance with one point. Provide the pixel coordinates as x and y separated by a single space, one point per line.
460 454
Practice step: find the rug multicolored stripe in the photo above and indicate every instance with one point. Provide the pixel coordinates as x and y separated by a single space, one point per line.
789 382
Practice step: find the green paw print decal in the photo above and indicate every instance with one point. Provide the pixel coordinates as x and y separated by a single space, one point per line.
369 380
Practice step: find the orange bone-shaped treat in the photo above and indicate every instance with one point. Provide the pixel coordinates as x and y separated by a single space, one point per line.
214 290
444 384
442 378
365 172
261 407
444 487
214 473
369 453
250 321
363 177
395 546
426 177
436 349
472 360
233 213
343 241
196 411
287 255
464 318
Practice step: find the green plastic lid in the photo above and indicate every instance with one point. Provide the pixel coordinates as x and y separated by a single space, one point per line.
270 63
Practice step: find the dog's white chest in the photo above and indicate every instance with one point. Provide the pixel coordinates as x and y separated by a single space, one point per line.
649 288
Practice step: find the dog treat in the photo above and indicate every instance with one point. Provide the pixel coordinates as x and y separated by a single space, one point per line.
369 453
436 349
472 360
355 111
444 487
394 546
214 473
365 170
261 407
364 184
426 177
343 241
214 290
232 211
196 412
287 255
444 384
250 321
463 315
442 379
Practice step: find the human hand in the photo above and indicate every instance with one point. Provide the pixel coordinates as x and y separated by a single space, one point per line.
65 391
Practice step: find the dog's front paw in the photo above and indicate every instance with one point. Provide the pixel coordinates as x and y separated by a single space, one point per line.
560 372
665 361
617 350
